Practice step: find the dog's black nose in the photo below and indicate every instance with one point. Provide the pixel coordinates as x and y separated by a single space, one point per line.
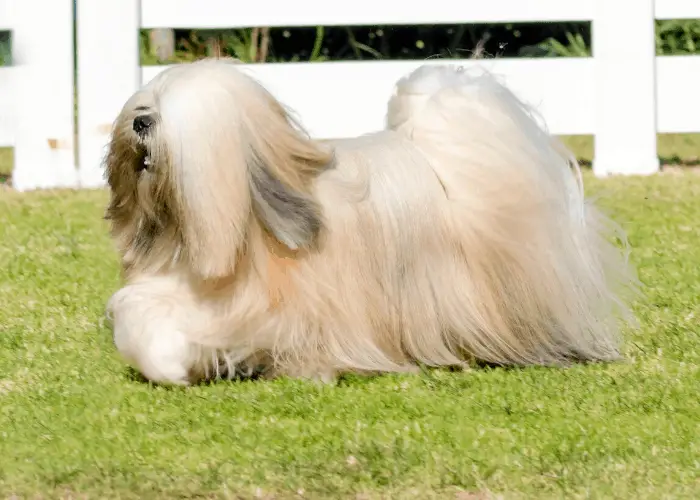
142 123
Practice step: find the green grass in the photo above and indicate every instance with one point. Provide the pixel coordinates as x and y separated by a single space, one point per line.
74 421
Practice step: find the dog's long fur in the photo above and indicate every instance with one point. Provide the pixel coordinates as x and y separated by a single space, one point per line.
460 232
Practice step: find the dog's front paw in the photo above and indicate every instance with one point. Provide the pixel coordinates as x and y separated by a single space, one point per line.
168 358
162 355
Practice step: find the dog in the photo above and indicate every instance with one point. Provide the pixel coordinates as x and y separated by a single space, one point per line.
458 234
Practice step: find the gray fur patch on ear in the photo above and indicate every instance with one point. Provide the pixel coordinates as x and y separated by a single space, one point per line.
291 217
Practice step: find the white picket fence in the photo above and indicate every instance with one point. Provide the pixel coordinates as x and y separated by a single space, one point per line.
624 94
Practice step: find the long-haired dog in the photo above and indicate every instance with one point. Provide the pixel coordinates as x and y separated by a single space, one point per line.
458 233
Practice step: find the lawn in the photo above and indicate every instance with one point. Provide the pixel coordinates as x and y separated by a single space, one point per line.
74 422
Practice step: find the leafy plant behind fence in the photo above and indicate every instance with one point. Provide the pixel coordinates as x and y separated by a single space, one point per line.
678 36
318 44
260 44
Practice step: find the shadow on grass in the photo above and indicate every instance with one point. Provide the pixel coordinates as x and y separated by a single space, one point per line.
134 376
429 375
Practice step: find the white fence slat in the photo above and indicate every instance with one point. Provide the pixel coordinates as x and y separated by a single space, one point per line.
625 104
43 94
109 72
677 80
227 13
350 98
7 106
7 76
567 104
677 9
6 14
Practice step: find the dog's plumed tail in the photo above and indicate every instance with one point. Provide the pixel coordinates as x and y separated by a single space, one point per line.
542 281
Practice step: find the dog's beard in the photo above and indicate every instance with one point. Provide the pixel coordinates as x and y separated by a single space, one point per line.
142 211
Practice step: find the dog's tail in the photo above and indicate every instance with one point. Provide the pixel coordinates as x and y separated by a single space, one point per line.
540 279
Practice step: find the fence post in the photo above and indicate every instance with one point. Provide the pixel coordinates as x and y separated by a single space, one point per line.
109 72
625 76
42 56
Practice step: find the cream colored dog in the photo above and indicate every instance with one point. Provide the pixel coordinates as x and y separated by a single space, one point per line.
458 233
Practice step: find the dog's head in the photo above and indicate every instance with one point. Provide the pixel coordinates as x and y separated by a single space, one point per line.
199 155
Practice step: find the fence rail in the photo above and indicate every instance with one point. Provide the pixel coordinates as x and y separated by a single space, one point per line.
220 13
624 95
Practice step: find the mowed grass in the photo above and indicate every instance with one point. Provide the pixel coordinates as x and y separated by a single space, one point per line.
75 422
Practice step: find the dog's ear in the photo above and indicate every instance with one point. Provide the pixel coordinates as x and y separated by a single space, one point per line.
212 198
250 162
282 165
